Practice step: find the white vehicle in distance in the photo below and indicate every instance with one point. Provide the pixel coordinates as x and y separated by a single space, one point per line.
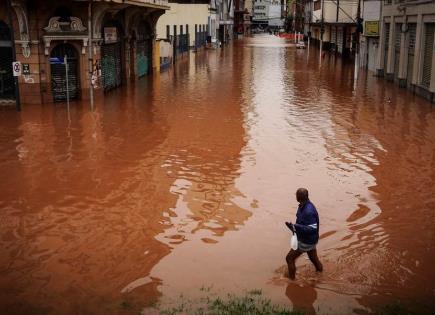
300 45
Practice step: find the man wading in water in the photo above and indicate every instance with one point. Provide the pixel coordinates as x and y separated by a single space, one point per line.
307 232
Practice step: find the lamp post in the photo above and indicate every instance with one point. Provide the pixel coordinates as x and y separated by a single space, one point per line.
357 36
322 30
90 57
14 56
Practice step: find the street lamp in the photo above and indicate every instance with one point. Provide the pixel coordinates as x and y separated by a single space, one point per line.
90 52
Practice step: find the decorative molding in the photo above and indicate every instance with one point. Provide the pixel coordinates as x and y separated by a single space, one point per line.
49 38
77 25
74 25
23 26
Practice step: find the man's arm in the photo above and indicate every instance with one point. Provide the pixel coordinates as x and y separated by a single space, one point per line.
305 228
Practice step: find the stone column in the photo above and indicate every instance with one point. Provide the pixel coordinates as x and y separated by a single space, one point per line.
381 51
403 61
416 71
390 61
156 56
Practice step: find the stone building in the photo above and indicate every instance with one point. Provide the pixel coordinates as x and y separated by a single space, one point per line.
406 54
123 41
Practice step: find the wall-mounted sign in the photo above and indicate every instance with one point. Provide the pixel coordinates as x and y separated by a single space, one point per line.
16 68
371 28
57 61
110 34
26 68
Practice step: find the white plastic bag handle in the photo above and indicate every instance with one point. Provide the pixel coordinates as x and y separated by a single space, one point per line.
294 242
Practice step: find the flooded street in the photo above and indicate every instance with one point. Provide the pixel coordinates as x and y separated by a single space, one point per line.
183 182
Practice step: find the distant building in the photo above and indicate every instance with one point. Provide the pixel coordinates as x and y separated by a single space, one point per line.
242 17
406 45
337 21
225 20
267 14
369 40
187 24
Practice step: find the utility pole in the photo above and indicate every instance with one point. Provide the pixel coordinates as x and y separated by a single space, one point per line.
90 57
322 30
14 56
357 33
294 19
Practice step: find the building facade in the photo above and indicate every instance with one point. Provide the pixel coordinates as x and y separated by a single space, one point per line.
369 40
186 24
122 35
406 54
334 22
267 14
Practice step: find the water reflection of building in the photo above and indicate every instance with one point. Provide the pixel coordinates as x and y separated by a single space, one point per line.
380 145
404 127
206 143
85 233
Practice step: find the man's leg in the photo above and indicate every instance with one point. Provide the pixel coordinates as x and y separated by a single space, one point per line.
291 258
312 254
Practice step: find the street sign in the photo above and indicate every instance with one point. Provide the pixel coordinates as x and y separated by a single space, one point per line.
57 61
371 28
16 68
26 68
110 34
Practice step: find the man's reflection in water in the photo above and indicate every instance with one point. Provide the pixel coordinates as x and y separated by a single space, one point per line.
302 297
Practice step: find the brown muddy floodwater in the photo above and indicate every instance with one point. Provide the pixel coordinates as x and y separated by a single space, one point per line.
184 182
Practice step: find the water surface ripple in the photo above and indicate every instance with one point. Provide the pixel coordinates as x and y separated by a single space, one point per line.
184 180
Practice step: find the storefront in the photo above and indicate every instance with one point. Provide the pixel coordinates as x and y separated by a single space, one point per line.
111 56
143 49
60 86
7 87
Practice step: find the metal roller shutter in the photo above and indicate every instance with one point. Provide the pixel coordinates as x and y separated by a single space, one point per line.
340 40
387 43
428 48
58 74
7 84
397 40
111 65
412 27
143 58
333 35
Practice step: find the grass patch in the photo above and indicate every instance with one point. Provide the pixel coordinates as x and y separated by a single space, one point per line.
255 292
252 303
125 305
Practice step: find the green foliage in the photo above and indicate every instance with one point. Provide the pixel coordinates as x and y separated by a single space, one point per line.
125 305
251 303
247 305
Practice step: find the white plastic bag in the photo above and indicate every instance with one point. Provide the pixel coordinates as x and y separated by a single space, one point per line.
294 242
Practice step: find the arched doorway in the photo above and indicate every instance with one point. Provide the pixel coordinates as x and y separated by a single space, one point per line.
7 86
111 56
58 73
143 49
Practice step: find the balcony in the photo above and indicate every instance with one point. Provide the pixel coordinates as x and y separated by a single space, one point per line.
347 13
